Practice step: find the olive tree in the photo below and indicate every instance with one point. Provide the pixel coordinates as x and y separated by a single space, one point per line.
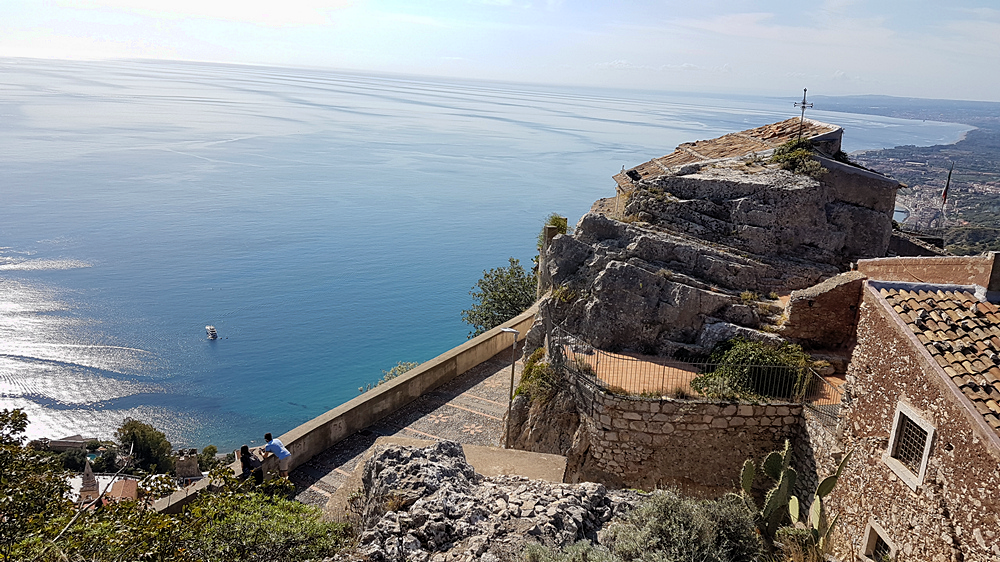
501 294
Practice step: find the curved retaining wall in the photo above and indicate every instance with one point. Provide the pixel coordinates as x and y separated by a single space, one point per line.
698 447
326 430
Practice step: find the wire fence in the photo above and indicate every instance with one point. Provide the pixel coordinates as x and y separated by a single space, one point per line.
652 377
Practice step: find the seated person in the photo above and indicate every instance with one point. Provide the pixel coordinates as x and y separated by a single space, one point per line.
250 465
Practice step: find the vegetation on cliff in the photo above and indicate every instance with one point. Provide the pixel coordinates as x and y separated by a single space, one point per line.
797 157
501 294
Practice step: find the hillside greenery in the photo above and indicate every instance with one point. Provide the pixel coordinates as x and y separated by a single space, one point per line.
237 522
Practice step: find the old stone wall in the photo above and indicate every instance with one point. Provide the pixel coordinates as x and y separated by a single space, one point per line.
954 513
955 270
904 245
698 447
825 315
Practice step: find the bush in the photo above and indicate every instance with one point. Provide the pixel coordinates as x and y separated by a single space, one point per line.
796 156
501 294
538 379
242 524
106 462
150 448
206 458
667 527
236 522
561 224
33 487
751 370
399 369
74 459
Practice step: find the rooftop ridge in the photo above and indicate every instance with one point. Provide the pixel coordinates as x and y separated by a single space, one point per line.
960 331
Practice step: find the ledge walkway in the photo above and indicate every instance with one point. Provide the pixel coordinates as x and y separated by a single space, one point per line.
469 409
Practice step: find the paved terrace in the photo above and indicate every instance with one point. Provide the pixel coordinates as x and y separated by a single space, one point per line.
469 409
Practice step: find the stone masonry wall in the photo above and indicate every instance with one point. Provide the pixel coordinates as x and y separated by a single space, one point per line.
954 514
825 315
956 270
697 447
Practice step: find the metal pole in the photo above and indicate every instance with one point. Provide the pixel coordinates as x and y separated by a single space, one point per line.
510 394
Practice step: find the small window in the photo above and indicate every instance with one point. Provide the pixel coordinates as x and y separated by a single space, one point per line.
910 443
909 446
880 550
878 547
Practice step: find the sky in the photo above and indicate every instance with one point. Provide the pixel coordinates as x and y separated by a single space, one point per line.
914 48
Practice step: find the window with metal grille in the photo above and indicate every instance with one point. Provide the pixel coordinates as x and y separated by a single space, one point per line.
877 545
881 551
910 443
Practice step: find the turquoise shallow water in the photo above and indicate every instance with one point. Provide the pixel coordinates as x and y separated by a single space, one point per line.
328 224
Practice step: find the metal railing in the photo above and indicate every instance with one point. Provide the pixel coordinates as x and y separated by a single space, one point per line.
652 377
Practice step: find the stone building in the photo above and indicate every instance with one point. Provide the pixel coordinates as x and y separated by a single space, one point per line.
921 414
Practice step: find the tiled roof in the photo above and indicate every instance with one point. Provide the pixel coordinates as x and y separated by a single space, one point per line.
733 145
963 335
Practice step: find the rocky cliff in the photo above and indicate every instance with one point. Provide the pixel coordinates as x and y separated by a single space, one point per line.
701 243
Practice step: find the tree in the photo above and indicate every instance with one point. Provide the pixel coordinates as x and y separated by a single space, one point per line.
150 448
74 459
106 462
501 294
33 487
206 458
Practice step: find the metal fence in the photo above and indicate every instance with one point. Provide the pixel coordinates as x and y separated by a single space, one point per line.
652 377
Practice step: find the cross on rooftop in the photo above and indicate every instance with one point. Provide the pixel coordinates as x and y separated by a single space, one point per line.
803 105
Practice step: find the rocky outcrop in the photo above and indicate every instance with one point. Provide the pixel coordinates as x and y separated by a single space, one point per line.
699 236
630 286
428 504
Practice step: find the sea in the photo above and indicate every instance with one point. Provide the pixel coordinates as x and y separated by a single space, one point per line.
329 224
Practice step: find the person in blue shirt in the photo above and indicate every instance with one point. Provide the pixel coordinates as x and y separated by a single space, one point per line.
277 448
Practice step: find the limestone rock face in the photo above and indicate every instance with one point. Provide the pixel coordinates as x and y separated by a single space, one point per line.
706 234
452 513
772 212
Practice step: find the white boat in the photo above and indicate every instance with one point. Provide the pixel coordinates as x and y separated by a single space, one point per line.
212 334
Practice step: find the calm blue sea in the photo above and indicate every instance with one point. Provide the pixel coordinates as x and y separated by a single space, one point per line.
329 224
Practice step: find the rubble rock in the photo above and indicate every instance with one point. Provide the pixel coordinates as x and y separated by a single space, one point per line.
456 514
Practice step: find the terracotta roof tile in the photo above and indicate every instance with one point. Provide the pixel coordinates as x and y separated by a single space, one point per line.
961 335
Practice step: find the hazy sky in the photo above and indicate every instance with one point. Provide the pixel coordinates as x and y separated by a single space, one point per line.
939 48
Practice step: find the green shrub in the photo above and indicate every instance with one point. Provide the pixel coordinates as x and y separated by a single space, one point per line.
751 370
796 156
538 378
564 294
667 527
561 224
151 452
206 458
399 369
